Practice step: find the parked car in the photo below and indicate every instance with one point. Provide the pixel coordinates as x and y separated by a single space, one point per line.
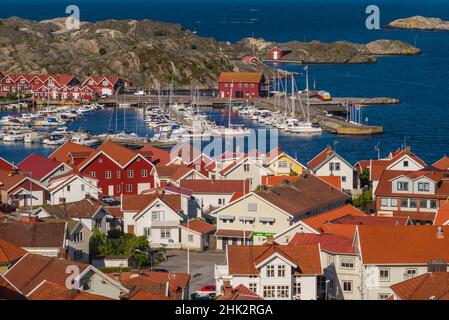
209 288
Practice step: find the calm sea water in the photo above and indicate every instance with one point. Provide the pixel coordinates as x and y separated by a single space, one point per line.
420 82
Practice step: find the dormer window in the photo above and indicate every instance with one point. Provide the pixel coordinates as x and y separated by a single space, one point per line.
402 185
424 186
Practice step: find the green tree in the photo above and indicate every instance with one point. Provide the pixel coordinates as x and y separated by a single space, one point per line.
363 200
364 177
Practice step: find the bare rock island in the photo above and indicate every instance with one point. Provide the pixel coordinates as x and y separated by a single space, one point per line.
420 23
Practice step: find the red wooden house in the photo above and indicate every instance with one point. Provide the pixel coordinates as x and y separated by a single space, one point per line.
277 53
119 170
105 85
241 84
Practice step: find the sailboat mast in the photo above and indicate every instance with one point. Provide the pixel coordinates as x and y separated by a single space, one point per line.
307 97
230 104
293 96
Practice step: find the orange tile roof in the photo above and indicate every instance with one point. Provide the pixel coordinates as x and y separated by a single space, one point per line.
141 201
402 244
177 280
269 181
332 180
249 77
442 164
429 286
236 195
144 295
61 154
10 252
119 153
239 293
173 171
48 290
442 217
34 235
317 221
162 155
343 230
199 226
242 260
9 179
320 158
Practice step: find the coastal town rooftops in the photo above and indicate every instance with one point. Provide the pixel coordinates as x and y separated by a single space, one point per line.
10 178
159 156
198 226
62 154
216 186
330 243
236 77
332 180
442 217
418 244
6 165
48 290
153 281
10 252
137 203
269 181
245 260
39 166
428 286
34 235
303 195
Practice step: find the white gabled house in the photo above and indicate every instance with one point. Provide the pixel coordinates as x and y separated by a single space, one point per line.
72 187
156 216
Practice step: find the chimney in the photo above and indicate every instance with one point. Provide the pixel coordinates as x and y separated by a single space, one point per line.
226 286
269 240
440 233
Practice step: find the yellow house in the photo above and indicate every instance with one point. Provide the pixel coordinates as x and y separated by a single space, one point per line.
282 164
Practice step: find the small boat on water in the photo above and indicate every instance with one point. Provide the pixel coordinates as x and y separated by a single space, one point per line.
55 139
33 137
14 136
84 139
3 133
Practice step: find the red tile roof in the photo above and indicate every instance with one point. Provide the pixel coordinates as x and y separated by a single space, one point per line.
233 233
143 295
172 171
32 269
8 291
216 186
320 158
9 252
403 244
334 181
61 154
5 164
429 286
85 208
48 290
328 242
34 235
199 226
269 181
442 164
371 220
239 293
38 165
442 217
319 220
9 179
242 260
154 153
139 281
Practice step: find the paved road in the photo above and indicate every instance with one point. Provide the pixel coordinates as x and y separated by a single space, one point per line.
201 265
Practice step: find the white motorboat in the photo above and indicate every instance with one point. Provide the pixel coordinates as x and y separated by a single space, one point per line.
304 128
32 137
83 139
55 139
14 136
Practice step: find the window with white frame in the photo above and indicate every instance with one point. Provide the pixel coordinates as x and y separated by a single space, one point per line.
383 296
424 186
283 164
78 237
165 233
410 273
252 206
119 188
347 263
394 202
130 173
283 291
129 188
246 167
270 271
108 174
117 174
253 287
296 288
144 173
190 237
268 291
98 223
83 187
156 215
402 185
147 232
384 202
92 174
384 274
281 271
347 286
68 188
433 204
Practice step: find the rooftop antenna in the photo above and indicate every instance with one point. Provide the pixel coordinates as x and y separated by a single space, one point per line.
377 149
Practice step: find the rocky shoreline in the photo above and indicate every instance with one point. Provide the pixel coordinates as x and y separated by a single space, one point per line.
154 54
